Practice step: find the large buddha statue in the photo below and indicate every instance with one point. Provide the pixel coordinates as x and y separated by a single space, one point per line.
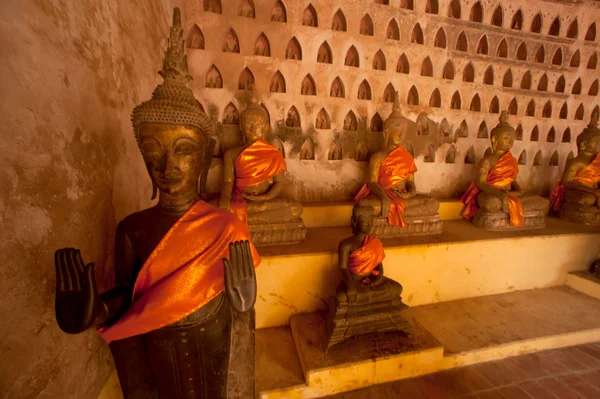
577 196
390 194
181 267
252 184
366 301
495 199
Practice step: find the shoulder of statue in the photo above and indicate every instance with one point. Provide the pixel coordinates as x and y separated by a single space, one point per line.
130 222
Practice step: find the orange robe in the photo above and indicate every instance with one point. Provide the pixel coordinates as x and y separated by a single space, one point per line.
183 273
501 175
396 167
587 176
365 259
257 163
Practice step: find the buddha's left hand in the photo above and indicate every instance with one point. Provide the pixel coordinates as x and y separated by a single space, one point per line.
406 194
240 278
260 197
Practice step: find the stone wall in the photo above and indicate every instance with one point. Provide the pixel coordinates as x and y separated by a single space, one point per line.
69 171
456 65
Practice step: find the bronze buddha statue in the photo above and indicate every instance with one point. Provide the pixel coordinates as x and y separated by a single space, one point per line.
365 301
390 193
252 184
495 200
576 197
181 266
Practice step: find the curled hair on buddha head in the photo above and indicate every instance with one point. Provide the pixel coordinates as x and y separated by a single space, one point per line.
502 127
588 133
173 102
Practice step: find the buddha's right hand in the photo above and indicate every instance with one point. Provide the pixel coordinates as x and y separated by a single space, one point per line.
225 203
77 300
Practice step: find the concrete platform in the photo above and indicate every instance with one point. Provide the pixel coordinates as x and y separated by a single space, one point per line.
470 331
584 282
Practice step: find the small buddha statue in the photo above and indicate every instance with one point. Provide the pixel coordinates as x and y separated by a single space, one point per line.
365 301
495 199
181 266
390 192
576 197
252 183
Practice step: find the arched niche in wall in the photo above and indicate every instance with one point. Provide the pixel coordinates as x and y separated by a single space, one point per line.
540 55
494 106
337 88
246 9
482 132
475 104
292 118
231 43
554 27
322 121
324 54
507 80
440 38
519 133
551 136
213 6
309 16
448 72
413 96
579 113
376 124
422 125
557 57
350 122
366 25
231 116
502 50
445 129
417 34
573 30
596 112
432 7
388 93
535 134
526 81
364 90
593 61
264 107
335 150
498 16
560 85
307 151
454 9
278 144
517 20
522 158
575 59
576 87
213 78
530 111
593 91
195 39
361 152
513 107
455 102
352 59
246 80
537 160
543 83
547 111
279 13
463 129
277 83
482 46
470 156
469 73
293 50
435 100
564 111
488 76
476 14
403 65
379 61
554 159
451 155
429 154
522 52
536 24
393 30
462 43
262 47
308 87
570 156
590 35
427 67
407 4
566 137
339 21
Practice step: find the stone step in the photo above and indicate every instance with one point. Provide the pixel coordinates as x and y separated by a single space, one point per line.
335 214
446 335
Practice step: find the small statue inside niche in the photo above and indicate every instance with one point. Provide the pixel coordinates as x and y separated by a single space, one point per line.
307 88
292 119
335 89
246 9
307 151
411 100
361 151
363 94
350 122
595 269
278 14
577 196
231 43
308 18
323 55
350 60
214 6
260 49
495 200
365 301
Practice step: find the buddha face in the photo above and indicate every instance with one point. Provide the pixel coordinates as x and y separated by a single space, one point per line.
393 136
503 142
254 127
364 224
173 156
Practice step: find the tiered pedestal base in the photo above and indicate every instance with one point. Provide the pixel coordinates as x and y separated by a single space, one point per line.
497 221
417 226
580 214
278 233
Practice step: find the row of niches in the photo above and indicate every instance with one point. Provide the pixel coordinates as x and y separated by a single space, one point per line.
308 86
477 13
293 51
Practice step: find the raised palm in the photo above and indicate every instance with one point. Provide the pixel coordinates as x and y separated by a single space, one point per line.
240 278
76 292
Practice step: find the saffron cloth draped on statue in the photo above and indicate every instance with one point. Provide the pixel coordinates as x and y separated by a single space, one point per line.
365 259
183 273
587 176
501 175
257 163
396 167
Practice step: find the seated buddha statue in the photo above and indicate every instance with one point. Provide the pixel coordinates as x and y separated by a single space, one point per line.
390 193
576 197
495 199
365 301
181 267
252 183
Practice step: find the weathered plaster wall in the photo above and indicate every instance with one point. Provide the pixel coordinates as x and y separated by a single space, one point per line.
324 179
70 75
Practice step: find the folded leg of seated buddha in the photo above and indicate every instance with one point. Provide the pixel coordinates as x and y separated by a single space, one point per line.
277 210
578 197
385 289
493 203
416 206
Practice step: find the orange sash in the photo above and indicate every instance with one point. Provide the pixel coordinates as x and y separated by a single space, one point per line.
501 175
396 167
183 273
587 176
365 259
255 164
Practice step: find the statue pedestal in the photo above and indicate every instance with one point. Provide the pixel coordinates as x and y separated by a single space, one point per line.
417 226
498 221
580 214
278 233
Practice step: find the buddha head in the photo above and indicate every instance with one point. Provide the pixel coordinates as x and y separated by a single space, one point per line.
254 122
171 128
394 127
589 140
503 135
363 224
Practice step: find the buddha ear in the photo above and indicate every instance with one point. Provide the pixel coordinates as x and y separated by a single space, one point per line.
154 191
